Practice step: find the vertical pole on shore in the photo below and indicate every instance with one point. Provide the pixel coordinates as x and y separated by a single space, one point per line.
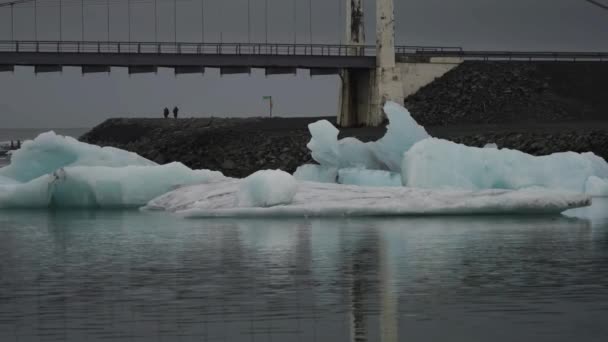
249 21
155 20
175 20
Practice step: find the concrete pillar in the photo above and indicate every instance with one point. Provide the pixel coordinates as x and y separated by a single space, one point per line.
388 84
355 30
355 36
364 92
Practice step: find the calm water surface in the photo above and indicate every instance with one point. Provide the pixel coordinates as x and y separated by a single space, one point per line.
131 276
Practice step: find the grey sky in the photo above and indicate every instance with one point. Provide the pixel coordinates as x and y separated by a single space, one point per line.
71 100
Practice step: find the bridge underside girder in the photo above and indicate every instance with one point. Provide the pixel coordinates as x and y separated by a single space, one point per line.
178 70
92 69
185 60
142 69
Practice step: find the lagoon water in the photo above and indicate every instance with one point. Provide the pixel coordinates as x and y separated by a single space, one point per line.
134 276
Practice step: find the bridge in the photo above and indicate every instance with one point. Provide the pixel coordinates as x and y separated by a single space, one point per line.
370 75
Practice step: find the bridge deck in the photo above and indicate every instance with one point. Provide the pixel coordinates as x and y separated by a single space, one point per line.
242 55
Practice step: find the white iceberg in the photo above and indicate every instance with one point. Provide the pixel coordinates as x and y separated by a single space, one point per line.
219 199
401 134
435 163
50 152
364 177
316 173
101 186
60 172
596 187
266 189
426 162
385 154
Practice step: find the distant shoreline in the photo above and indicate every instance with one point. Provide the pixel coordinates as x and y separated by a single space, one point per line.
8 134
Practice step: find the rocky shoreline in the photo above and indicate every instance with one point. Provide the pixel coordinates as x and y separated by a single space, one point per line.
239 147
538 108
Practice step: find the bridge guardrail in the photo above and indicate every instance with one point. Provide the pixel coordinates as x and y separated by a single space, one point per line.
209 48
187 48
274 49
517 55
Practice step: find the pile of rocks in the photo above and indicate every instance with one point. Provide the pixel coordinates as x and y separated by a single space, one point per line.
541 143
237 147
498 92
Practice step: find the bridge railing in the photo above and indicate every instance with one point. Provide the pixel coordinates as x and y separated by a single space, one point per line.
406 50
186 48
286 49
515 55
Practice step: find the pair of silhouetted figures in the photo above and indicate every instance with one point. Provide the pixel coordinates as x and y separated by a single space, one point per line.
175 112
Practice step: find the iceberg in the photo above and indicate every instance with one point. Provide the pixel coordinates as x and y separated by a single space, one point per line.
101 186
385 154
425 162
60 172
436 163
220 199
401 134
50 152
328 151
266 189
406 172
365 177
316 173
596 187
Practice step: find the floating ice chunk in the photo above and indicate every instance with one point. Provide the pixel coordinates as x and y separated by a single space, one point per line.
101 187
6 180
316 173
597 187
384 154
219 199
354 153
401 134
50 152
365 177
324 143
435 163
494 146
266 189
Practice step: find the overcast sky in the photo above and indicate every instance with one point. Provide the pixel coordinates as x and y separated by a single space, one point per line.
69 99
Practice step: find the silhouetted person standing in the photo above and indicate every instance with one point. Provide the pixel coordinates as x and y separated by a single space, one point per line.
175 111
166 112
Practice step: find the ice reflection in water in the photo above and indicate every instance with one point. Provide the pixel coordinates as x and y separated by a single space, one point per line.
130 276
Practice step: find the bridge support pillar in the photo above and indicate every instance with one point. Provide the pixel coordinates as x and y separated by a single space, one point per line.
388 75
364 92
356 97
353 99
